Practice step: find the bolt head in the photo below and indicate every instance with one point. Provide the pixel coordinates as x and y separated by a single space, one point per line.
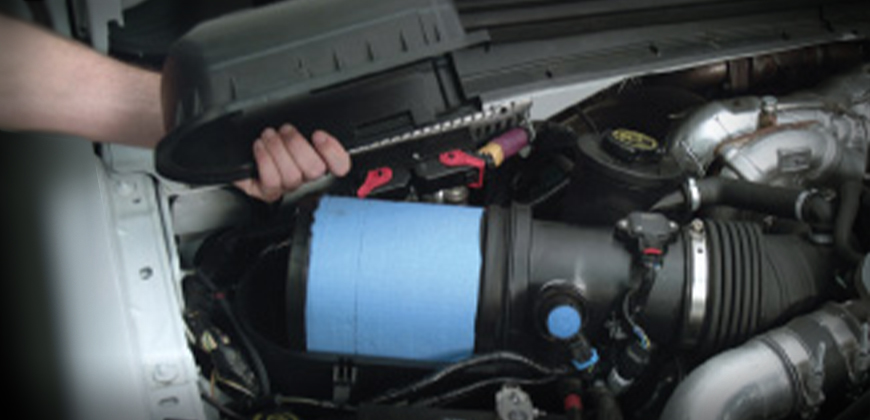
166 373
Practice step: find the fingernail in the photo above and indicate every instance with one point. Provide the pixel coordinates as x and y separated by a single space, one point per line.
287 129
318 137
258 144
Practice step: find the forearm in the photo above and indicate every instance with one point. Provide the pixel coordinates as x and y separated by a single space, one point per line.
53 84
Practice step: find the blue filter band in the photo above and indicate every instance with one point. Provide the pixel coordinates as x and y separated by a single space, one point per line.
396 280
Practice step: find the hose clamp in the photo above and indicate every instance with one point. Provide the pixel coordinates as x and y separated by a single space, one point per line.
799 203
804 364
694 194
699 283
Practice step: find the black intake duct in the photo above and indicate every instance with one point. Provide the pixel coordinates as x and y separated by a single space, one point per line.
721 282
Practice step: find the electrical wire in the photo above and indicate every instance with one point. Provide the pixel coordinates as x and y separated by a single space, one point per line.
496 357
221 408
588 120
635 328
468 389
292 400
253 354
217 378
561 185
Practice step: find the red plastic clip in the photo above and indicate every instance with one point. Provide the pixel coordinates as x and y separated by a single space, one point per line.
374 179
653 251
460 158
573 402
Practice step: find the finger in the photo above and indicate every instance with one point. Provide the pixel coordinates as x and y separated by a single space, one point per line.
333 153
289 174
269 179
250 187
307 160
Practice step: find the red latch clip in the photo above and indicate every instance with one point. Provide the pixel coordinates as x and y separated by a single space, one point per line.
573 402
460 158
653 251
374 179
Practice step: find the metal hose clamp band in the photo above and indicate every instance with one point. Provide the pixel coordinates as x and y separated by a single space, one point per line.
799 203
698 283
694 194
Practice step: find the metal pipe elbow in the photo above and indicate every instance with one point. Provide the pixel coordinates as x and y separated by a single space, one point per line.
810 135
749 382
783 372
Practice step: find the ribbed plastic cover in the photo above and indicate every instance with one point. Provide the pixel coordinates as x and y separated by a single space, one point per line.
228 79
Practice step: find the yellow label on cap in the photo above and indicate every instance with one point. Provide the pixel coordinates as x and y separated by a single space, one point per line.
635 139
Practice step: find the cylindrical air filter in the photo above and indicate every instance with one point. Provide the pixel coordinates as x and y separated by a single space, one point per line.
395 280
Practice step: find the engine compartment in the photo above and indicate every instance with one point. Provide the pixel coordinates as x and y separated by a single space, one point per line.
682 245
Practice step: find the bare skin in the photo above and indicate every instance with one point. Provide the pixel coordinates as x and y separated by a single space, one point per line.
52 84
286 160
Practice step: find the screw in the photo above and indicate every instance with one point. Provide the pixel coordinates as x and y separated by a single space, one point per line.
622 224
145 273
125 188
697 226
768 103
165 373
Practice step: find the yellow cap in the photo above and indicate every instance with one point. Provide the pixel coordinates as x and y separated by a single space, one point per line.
494 151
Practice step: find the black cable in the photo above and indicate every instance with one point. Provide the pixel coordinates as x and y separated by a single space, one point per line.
627 313
588 120
221 408
561 185
468 389
500 357
253 354
311 402
630 308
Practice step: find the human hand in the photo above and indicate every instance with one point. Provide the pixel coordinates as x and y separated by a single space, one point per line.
286 160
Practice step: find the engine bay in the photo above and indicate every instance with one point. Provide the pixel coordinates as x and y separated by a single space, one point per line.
556 210
683 245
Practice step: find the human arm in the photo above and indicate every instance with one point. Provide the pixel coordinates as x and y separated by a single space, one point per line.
54 84
58 85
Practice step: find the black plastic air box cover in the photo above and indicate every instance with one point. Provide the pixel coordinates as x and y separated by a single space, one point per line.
360 69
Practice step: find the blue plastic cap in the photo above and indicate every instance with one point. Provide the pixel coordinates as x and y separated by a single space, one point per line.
564 322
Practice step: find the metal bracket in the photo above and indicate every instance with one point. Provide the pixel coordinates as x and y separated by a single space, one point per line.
343 380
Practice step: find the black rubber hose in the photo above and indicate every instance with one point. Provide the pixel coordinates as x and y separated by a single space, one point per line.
850 201
757 281
777 201
748 196
606 406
